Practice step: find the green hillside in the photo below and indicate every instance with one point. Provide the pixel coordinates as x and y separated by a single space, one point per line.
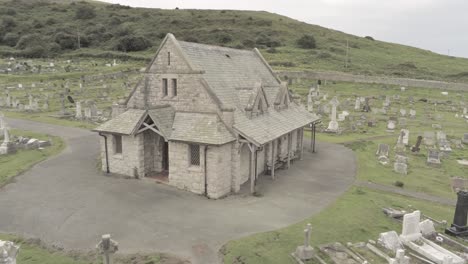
51 28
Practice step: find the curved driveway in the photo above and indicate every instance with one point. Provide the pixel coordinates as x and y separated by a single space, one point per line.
67 202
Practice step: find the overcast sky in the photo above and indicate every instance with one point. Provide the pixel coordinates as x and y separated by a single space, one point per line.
437 25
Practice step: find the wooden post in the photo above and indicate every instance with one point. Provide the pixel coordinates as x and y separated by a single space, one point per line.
313 150
289 150
311 137
273 159
301 138
252 168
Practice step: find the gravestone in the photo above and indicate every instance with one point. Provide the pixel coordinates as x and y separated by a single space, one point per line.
7 147
410 230
459 227
402 122
412 113
310 101
436 126
401 168
390 241
383 154
400 146
366 107
333 125
465 138
433 157
8 252
357 104
391 125
429 138
403 112
427 228
79 113
405 138
305 252
416 147
106 247
87 113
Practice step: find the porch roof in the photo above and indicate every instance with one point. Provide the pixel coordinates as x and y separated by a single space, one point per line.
124 123
273 124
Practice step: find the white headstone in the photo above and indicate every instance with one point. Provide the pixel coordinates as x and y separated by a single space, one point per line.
8 252
333 125
410 230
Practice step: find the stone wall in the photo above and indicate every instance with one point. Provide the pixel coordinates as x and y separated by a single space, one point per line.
296 76
219 176
130 158
191 94
183 175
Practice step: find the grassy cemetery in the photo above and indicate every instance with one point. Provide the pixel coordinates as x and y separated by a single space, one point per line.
410 143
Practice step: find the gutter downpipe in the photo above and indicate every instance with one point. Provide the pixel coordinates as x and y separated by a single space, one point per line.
107 155
205 172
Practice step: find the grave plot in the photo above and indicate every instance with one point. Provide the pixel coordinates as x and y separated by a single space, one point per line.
424 130
82 98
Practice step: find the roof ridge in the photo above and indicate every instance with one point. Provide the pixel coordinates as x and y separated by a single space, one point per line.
215 46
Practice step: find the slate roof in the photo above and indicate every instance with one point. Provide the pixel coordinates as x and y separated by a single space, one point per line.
201 128
273 124
226 70
233 75
124 123
163 118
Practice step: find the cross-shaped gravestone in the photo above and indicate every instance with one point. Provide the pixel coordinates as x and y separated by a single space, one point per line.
333 125
106 247
305 252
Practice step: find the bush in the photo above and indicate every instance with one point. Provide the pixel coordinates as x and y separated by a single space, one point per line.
224 38
267 41
369 38
132 43
66 41
28 40
85 12
10 39
399 184
8 23
248 43
306 42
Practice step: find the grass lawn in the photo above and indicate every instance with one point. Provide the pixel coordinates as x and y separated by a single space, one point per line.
45 118
14 164
34 252
355 216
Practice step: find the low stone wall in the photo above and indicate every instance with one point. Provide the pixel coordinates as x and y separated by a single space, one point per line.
346 77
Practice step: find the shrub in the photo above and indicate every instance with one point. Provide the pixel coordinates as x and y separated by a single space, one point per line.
306 42
369 38
50 21
85 12
66 41
10 39
266 40
399 184
132 43
28 40
248 43
324 55
8 22
224 38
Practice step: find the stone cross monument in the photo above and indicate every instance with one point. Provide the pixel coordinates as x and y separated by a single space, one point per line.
106 247
305 252
333 125
6 147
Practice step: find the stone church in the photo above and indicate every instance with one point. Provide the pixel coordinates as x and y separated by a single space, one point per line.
206 119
